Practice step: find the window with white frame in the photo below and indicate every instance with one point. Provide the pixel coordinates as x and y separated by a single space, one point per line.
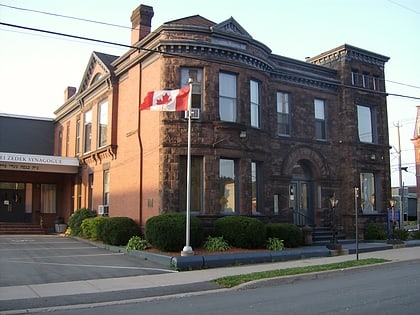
320 133
365 124
77 143
283 114
256 184
227 185
227 97
367 192
196 184
196 75
254 88
103 123
48 198
106 192
87 131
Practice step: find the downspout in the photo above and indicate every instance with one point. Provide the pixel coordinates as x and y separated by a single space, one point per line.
140 148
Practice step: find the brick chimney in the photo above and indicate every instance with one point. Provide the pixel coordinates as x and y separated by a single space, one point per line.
141 23
69 92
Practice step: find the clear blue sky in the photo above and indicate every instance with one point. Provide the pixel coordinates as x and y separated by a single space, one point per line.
36 68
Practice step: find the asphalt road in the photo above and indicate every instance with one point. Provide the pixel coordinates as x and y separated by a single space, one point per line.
385 289
26 260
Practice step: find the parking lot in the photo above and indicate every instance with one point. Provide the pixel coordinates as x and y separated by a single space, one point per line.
42 259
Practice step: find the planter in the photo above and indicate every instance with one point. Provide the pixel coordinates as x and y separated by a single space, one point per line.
60 228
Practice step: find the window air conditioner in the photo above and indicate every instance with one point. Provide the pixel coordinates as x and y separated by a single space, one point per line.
195 113
101 209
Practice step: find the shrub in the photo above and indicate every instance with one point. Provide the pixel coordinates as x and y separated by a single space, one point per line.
291 234
217 243
167 231
136 243
415 234
76 219
240 231
374 232
273 243
91 227
401 234
118 230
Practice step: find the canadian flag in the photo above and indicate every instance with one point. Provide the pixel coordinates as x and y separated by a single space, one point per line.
167 100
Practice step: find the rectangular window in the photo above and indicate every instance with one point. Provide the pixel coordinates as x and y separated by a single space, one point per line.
48 198
283 114
254 88
60 141
103 123
365 80
227 184
227 97
67 139
320 119
354 78
365 124
196 74
367 192
77 144
375 83
106 193
256 186
196 186
88 131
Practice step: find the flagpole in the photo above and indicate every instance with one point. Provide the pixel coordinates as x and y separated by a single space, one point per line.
187 250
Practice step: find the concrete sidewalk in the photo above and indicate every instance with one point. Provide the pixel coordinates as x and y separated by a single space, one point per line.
199 279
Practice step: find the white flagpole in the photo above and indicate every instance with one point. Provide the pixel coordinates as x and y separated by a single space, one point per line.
187 250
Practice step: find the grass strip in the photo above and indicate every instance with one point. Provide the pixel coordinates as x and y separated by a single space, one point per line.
231 281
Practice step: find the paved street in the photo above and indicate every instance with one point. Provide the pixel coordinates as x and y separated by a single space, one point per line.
42 259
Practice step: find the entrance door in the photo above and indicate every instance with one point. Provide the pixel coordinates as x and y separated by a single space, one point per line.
12 203
300 195
299 198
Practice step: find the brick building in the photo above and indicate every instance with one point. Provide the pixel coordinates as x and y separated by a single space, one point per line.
272 137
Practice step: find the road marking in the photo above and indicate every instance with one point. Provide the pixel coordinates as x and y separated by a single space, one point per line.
89 266
46 248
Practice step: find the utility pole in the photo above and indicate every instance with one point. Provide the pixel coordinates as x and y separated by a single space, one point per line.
401 187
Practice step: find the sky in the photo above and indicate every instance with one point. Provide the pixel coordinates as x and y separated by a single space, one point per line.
35 67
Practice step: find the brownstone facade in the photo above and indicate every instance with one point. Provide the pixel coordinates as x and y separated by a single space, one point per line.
273 137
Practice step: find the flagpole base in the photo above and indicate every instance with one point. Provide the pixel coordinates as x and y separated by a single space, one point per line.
187 251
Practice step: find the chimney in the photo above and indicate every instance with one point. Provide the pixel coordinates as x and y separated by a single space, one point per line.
141 23
69 92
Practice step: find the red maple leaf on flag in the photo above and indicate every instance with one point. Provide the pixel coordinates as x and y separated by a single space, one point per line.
166 98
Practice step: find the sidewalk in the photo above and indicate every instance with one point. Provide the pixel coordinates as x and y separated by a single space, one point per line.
202 279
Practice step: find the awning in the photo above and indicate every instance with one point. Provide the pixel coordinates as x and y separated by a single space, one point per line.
38 163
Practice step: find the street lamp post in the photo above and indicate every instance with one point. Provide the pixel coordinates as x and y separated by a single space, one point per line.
333 245
392 204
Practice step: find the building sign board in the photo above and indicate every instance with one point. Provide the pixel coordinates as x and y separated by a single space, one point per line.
38 163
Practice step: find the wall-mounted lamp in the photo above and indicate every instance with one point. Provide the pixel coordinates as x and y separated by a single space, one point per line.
373 157
242 134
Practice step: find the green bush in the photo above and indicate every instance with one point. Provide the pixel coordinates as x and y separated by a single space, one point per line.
291 234
217 243
117 230
76 219
136 243
240 231
401 234
273 243
91 227
374 232
166 232
415 234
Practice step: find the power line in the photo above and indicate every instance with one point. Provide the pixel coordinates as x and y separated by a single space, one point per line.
126 27
403 6
189 57
64 16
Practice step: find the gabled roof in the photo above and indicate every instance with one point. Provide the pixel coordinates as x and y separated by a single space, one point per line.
231 26
194 20
104 62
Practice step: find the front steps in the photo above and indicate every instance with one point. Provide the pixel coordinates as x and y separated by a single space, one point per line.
323 236
12 228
